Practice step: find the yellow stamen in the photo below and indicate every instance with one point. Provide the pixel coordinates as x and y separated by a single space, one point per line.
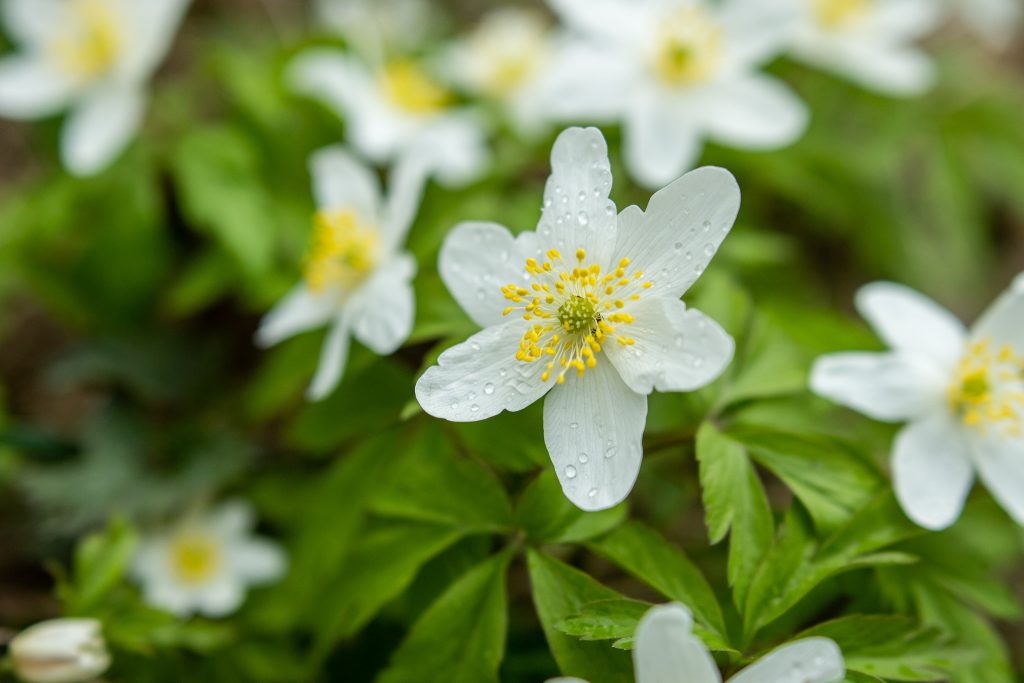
987 391
194 557
342 253
89 42
410 88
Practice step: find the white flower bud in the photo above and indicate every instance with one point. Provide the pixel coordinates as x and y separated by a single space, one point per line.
60 651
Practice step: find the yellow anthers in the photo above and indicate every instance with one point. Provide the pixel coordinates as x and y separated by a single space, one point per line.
342 252
409 87
840 13
580 255
987 391
87 46
689 47
195 558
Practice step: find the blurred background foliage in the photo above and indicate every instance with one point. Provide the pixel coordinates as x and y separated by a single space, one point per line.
130 389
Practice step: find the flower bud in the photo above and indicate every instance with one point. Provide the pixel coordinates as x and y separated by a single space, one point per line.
60 651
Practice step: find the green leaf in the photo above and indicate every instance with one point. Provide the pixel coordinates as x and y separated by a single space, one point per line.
645 554
605 620
559 592
101 561
461 637
771 366
734 502
547 516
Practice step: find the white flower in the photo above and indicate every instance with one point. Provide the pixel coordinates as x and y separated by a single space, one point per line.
93 57
358 279
962 392
996 21
587 308
396 111
869 41
378 27
677 72
505 59
665 650
59 651
205 562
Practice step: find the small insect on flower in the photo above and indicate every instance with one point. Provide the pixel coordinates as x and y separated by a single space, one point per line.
92 56
358 279
205 562
666 650
60 651
961 391
586 308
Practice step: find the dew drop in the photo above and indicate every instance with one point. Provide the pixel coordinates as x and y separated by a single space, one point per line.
481 294
582 196
474 346
488 388
689 256
573 425
678 246
474 408
680 341
584 458
697 361
570 471
501 373
610 452
471 395
706 225
582 218
709 249
592 493
454 406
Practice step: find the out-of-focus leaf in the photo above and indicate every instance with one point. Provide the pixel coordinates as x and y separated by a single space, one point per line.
547 516
101 562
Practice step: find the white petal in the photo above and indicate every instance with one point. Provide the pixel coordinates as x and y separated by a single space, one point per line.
676 349
756 30
661 141
997 21
893 70
231 519
610 20
811 660
911 322
154 24
405 191
100 128
931 471
481 377
340 182
891 387
301 310
675 239
1000 462
666 651
384 308
1003 322
593 429
476 261
577 210
30 88
898 21
32 22
450 148
332 360
586 82
220 597
756 112
171 597
258 560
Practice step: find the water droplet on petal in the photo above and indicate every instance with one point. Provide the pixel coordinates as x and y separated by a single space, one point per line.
488 388
709 249
697 361
584 458
502 373
474 346
471 396
573 425
582 196
570 471
678 246
474 408
610 452
582 218
454 406
706 225
592 493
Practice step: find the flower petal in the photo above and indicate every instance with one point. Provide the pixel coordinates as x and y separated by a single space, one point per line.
406 182
666 651
676 349
931 471
661 141
610 20
893 70
1003 322
100 128
31 22
30 88
756 30
892 387
384 308
450 148
481 377
340 181
755 112
221 596
333 355
301 310
231 519
577 211
593 429
154 25
899 21
476 261
996 21
811 660
684 224
258 560
911 322
1000 461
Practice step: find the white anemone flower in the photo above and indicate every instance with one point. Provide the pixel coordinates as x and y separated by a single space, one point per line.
505 60
358 279
395 111
677 73
59 651
996 21
961 391
665 650
205 562
586 308
869 41
377 27
93 57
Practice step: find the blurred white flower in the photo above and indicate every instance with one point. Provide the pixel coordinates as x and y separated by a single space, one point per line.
505 59
587 308
205 562
358 277
379 27
665 650
93 57
869 41
996 21
395 112
59 651
675 73
961 391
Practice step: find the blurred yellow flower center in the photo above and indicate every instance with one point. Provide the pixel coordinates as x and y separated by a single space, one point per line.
87 45
840 13
343 251
577 308
412 89
988 388
689 47
195 557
